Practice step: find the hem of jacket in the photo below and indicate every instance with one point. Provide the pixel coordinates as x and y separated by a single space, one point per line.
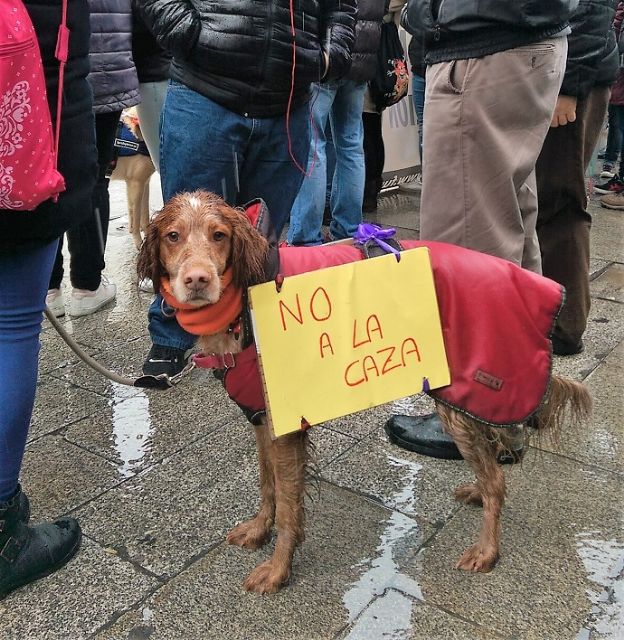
488 42
235 102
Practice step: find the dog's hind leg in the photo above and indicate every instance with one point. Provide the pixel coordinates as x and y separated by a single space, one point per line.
472 440
144 217
253 533
134 190
289 456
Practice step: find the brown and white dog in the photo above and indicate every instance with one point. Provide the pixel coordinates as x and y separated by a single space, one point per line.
136 170
203 250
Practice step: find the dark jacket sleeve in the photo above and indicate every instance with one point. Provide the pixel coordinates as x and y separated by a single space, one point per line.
174 23
592 52
337 34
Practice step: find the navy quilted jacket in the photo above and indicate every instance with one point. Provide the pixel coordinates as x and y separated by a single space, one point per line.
113 77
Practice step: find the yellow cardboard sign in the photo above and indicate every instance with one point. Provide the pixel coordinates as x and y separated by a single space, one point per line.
345 338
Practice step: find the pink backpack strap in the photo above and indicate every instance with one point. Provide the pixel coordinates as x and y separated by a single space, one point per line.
61 53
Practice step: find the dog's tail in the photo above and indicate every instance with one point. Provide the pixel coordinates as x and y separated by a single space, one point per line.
567 401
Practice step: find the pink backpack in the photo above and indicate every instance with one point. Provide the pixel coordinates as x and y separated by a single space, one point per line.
28 148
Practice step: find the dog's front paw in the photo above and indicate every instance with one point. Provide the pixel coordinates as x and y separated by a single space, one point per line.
251 534
468 494
266 578
478 558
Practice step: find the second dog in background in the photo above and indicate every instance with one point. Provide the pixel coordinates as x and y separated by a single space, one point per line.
133 165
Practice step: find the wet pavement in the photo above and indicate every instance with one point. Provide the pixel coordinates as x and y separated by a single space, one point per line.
157 479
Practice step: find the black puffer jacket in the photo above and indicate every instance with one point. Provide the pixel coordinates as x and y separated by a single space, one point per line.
77 153
367 37
152 62
113 77
239 52
461 29
593 57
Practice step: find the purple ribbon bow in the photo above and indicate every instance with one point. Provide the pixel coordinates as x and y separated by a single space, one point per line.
368 231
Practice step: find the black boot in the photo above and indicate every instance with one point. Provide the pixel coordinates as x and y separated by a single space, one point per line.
425 435
29 553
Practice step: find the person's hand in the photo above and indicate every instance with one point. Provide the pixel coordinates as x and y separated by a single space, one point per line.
565 111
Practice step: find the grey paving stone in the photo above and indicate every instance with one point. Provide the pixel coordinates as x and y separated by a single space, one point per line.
396 615
607 235
59 403
125 359
54 352
610 284
354 550
77 600
58 476
166 515
418 486
562 543
151 425
601 440
118 322
605 330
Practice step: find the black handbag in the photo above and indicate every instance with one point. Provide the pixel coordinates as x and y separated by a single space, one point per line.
391 80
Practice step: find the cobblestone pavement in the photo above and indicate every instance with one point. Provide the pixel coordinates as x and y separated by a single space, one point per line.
158 478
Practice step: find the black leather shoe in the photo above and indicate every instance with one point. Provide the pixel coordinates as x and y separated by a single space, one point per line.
563 348
29 553
424 435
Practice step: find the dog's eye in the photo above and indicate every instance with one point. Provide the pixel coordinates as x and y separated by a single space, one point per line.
218 235
173 236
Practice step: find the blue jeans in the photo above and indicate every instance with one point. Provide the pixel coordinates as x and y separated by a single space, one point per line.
206 146
418 96
341 102
24 279
615 137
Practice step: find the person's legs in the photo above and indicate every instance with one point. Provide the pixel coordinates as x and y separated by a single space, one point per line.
202 145
26 553
563 222
615 138
87 241
618 110
496 111
23 285
269 172
418 97
149 110
345 118
374 158
306 216
192 125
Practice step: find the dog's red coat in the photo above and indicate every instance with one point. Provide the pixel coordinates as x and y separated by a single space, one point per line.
496 321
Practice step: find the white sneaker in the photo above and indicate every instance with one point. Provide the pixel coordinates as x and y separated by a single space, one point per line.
55 302
83 302
413 186
608 171
146 285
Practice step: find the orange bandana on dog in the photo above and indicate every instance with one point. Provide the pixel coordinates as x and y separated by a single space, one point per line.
212 318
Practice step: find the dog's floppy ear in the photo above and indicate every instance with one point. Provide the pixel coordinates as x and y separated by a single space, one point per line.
148 262
249 250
